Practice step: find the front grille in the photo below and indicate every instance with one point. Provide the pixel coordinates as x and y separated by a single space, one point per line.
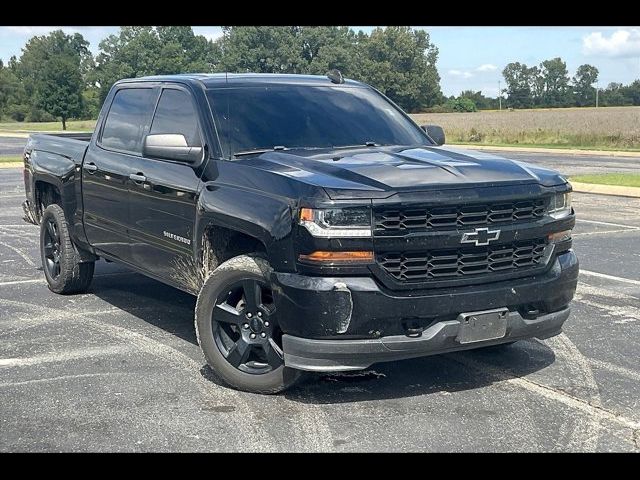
417 219
463 262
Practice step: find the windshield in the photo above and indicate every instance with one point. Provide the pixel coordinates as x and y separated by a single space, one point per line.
261 118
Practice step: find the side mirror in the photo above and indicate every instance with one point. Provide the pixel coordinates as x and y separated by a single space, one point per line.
170 146
435 132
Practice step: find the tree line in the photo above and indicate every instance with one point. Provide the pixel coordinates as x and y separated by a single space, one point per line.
549 85
57 77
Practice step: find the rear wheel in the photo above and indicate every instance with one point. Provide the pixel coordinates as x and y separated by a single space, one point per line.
64 271
238 330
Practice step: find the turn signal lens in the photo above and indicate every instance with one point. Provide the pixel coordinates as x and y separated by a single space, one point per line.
328 258
558 237
306 215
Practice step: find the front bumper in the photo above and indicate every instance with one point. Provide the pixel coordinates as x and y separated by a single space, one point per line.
341 355
336 323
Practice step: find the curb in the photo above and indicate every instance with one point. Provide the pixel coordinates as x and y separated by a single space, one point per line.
14 134
565 151
619 191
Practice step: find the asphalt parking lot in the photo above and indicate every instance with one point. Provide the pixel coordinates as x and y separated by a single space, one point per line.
11 145
119 369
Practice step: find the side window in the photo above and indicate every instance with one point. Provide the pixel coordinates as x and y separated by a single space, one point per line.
176 114
128 118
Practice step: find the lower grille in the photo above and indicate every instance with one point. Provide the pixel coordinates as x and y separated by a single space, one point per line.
464 261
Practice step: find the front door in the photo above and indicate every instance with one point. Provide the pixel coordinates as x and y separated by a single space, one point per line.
163 196
107 168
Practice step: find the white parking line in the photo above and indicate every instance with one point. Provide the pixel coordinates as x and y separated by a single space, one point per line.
630 227
65 356
20 282
24 255
610 277
622 371
603 232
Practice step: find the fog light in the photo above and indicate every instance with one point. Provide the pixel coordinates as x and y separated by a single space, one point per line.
558 237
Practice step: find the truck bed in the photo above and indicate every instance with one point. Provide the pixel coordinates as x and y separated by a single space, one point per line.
70 145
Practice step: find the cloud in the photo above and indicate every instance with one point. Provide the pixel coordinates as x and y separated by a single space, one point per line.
621 43
486 67
460 73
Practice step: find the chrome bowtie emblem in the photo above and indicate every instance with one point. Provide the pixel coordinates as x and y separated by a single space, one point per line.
481 236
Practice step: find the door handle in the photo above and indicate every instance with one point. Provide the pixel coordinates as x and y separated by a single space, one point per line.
138 177
90 167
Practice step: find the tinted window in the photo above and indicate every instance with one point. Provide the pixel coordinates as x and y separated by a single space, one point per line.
303 116
128 117
176 114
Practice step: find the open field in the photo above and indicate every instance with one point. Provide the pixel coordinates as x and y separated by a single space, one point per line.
26 127
622 179
614 128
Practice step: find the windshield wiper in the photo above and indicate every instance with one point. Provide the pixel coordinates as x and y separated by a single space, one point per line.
281 148
277 148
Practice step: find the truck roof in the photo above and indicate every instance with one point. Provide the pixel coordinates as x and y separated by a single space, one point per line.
236 79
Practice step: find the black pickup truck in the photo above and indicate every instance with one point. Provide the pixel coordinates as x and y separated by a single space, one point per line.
319 226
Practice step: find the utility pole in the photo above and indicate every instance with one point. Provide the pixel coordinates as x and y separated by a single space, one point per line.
597 90
499 96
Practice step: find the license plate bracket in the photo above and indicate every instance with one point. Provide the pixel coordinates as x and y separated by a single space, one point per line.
482 326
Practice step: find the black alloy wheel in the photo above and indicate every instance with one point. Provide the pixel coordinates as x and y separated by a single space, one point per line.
52 248
245 327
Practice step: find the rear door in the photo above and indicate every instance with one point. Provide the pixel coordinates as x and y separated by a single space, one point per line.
163 199
108 165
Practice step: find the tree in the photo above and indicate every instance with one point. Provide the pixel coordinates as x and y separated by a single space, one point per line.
583 89
479 100
633 92
555 80
397 60
401 63
141 51
4 88
519 85
328 48
461 104
60 88
262 50
615 95
52 70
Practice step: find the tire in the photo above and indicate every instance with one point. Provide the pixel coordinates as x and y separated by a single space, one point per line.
63 270
230 332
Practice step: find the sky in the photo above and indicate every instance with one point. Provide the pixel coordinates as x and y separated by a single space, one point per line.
470 58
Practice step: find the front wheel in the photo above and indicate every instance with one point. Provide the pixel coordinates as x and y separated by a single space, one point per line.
237 327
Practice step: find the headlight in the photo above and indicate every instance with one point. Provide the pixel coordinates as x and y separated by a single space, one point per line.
560 205
337 222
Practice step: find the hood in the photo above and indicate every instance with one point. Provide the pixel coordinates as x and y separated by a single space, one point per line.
378 172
